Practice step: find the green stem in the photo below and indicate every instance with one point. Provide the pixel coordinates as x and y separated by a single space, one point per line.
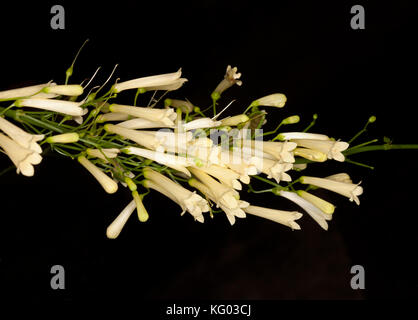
381 147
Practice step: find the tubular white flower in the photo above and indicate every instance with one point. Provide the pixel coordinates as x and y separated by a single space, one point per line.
276 170
61 106
243 165
26 140
139 123
106 182
231 77
200 123
223 195
280 150
23 92
140 138
301 135
176 84
146 82
235 120
286 218
103 154
331 148
65 90
170 138
166 116
23 158
349 190
114 116
224 175
169 160
313 155
115 228
230 213
185 106
340 177
69 137
142 212
273 100
187 199
311 209
323 205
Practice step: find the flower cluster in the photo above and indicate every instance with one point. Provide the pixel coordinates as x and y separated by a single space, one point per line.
201 163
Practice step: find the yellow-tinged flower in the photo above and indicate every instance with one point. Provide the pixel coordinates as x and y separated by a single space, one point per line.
26 140
273 100
23 158
235 120
286 218
106 182
103 154
65 90
349 190
310 154
115 228
142 212
165 116
333 149
323 205
276 170
69 137
114 116
200 123
226 176
139 123
340 177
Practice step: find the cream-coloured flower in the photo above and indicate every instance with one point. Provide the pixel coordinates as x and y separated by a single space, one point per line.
140 138
176 84
323 205
333 149
235 120
310 154
231 213
189 201
301 135
103 154
65 90
185 106
231 77
273 100
224 175
340 177
243 165
115 116
106 182
115 228
200 123
276 170
282 151
286 218
224 195
311 209
70 137
349 190
24 92
61 106
23 158
169 160
26 140
139 123
148 82
166 116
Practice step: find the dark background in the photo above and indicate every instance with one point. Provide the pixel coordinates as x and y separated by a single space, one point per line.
307 51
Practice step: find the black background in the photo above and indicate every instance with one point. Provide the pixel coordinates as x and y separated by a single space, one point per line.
306 50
